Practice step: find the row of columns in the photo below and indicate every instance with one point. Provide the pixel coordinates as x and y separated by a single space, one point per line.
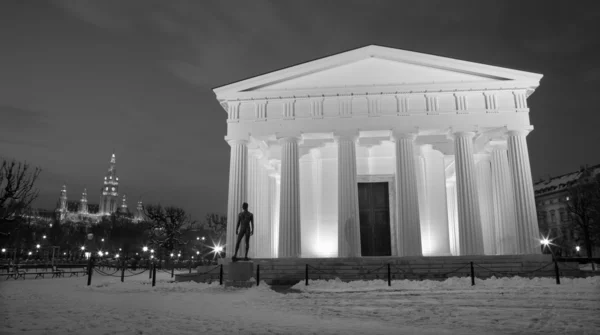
510 184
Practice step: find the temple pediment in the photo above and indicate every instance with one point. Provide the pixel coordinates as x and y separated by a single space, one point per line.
375 69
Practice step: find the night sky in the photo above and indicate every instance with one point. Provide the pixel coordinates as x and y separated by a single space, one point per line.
79 79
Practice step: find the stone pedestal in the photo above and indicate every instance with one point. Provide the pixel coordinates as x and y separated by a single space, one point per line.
239 274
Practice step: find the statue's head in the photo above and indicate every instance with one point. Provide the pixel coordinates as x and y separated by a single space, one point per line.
245 206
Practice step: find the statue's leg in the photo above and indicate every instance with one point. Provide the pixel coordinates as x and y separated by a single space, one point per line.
247 242
237 244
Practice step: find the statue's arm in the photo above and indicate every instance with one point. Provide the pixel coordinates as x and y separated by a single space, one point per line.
252 224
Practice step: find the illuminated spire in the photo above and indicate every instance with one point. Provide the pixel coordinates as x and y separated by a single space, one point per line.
113 159
124 203
83 207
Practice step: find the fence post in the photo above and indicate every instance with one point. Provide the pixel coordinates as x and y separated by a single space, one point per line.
221 275
123 273
556 272
472 275
150 269
257 274
153 275
190 265
389 275
306 275
90 270
173 271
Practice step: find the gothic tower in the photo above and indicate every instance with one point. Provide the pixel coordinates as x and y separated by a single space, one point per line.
123 209
110 190
139 214
62 203
83 206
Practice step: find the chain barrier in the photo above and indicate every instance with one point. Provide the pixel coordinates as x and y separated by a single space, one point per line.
209 271
569 266
106 274
134 274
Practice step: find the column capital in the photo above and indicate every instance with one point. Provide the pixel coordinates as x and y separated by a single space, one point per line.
494 145
349 135
521 131
288 137
233 141
399 135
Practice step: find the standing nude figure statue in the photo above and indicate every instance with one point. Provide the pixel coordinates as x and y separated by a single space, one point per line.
246 222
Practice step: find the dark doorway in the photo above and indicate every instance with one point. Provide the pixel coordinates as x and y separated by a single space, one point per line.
374 211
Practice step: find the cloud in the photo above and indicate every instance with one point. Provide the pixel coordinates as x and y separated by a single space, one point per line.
103 14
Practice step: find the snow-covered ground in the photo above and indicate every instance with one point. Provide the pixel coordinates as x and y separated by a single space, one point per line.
495 306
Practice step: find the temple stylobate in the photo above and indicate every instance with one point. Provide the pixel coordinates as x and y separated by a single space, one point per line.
382 152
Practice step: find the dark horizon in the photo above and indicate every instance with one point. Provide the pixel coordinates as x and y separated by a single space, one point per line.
83 78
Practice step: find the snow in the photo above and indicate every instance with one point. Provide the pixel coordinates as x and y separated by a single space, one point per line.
493 306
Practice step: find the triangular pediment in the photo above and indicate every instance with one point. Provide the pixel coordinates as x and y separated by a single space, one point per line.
374 71
376 68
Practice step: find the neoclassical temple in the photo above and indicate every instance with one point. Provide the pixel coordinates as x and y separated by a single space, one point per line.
382 152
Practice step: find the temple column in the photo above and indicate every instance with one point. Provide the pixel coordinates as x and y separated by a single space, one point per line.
408 225
504 203
289 213
470 237
528 233
263 227
348 219
486 203
238 164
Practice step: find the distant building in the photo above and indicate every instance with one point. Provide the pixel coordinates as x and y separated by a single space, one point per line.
109 202
555 221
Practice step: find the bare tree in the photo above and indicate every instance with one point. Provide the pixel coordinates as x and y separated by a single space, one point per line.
165 224
216 223
17 192
584 209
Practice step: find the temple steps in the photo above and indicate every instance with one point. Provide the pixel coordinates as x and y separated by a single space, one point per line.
291 271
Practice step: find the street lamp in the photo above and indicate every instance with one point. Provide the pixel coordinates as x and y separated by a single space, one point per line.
145 249
171 255
197 238
577 248
151 251
3 250
44 237
29 253
203 238
117 256
102 240
37 246
100 253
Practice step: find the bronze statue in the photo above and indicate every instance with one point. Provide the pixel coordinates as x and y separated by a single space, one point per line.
246 221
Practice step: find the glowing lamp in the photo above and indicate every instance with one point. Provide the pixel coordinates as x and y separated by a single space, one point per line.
197 252
37 246
145 249
197 238
151 256
151 251
3 250
545 241
82 248
192 257
218 248
99 253
178 255
44 237
117 256
203 238
29 253
576 248
102 240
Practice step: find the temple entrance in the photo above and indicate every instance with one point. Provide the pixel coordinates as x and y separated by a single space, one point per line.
374 211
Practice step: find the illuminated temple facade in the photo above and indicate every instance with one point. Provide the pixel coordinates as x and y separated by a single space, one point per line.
110 202
382 152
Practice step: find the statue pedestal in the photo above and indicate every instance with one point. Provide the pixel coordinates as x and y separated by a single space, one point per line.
239 274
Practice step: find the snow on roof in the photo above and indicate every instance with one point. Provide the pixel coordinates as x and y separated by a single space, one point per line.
562 181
